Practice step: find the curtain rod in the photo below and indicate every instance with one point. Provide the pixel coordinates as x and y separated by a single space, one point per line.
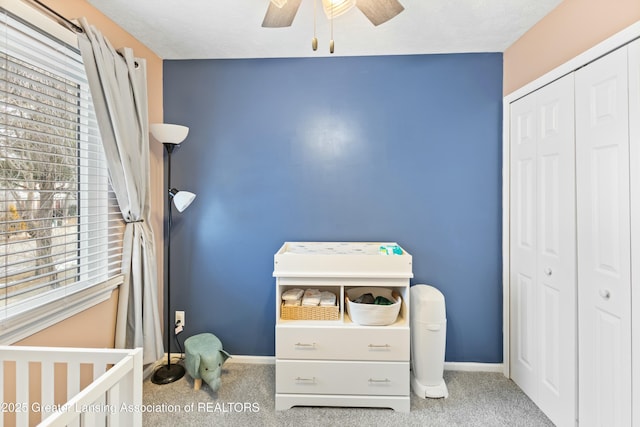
64 20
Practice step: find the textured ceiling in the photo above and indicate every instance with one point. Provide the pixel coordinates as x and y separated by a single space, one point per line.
199 29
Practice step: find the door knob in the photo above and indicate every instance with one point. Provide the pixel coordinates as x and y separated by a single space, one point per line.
548 271
605 294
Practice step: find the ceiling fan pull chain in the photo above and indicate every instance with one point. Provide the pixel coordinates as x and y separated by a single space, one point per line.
314 40
331 42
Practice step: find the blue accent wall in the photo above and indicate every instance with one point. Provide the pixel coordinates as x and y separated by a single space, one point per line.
397 148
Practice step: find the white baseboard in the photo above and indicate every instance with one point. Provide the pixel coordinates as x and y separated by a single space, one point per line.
176 357
258 360
474 367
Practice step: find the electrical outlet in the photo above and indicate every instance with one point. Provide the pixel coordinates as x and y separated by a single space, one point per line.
180 318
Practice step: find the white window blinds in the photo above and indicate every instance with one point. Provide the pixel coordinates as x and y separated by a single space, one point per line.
60 227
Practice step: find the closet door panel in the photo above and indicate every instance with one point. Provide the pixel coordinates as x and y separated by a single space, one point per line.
543 313
556 251
526 345
634 155
609 376
602 153
523 303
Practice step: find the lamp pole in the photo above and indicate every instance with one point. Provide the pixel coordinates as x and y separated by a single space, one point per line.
168 373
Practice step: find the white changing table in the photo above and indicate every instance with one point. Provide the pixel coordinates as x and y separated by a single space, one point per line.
338 362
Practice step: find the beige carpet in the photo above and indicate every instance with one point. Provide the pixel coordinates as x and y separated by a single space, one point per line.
246 398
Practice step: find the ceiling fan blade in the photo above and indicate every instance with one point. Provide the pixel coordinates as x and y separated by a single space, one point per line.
277 17
379 11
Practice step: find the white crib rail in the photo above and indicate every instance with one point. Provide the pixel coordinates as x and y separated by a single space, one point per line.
113 398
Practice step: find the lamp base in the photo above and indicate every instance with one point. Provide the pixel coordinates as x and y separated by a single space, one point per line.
167 374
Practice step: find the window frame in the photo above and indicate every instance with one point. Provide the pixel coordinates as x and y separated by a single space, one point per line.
22 319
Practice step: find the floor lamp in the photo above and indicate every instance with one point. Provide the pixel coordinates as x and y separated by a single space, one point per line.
170 136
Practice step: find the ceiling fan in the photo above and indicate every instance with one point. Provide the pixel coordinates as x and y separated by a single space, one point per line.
281 13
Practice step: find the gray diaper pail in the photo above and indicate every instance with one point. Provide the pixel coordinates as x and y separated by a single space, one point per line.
428 341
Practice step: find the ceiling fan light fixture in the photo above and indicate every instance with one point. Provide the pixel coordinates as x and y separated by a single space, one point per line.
335 8
279 3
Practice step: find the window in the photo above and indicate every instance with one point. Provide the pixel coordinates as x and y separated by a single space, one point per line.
60 227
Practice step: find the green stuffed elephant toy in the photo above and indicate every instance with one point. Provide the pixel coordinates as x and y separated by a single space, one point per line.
204 358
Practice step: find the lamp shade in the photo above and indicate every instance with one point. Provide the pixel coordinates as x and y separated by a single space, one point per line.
167 133
181 199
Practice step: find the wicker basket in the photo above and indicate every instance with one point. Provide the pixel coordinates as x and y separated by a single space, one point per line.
301 312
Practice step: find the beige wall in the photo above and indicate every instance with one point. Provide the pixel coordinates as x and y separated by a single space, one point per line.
572 28
95 327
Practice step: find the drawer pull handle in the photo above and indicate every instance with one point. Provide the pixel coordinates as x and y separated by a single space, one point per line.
373 380
308 380
301 344
605 294
379 346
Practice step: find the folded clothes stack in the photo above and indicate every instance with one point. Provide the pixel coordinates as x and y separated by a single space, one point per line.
327 299
292 296
311 297
308 298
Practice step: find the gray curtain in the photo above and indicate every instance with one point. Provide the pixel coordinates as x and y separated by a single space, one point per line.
118 83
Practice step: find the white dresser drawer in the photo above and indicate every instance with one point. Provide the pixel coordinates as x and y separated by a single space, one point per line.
384 344
343 378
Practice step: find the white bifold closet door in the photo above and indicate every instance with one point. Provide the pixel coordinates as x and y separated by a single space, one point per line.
543 249
634 166
604 242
